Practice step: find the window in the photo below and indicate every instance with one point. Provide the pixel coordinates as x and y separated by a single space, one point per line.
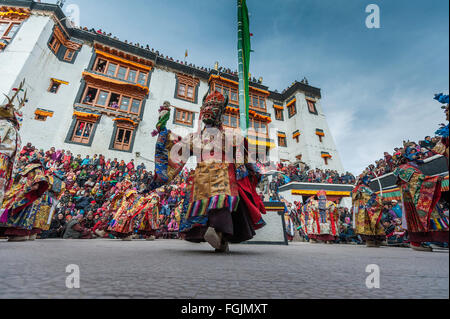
40 118
326 156
182 90
226 91
257 101
107 99
186 91
183 117
54 44
279 115
82 132
282 140
234 96
114 101
69 55
260 128
296 136
132 76
292 109
90 96
54 86
102 97
320 133
8 30
122 73
3 27
111 69
312 107
230 120
123 138
135 106
186 87
41 114
142 78
125 104
190 92
101 66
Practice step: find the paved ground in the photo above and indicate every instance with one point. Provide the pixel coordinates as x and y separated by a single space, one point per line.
178 269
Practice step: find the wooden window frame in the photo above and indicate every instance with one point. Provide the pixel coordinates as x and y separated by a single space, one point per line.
107 106
51 85
116 72
66 55
188 83
282 141
308 102
259 97
297 138
230 116
55 44
220 87
145 78
281 113
292 109
119 146
326 160
8 29
41 118
82 139
252 127
189 117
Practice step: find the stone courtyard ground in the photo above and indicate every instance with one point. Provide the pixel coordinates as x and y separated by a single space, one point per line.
178 269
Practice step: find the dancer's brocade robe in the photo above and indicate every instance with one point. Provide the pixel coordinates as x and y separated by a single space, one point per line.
420 195
321 218
18 210
146 214
215 185
10 143
122 221
46 204
367 210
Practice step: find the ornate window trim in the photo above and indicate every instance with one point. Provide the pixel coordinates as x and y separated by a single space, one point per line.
190 114
120 124
188 82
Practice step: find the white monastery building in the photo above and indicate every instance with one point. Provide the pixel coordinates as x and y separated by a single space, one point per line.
93 94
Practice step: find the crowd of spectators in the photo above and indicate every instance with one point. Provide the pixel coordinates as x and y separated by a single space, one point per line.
84 208
389 162
288 172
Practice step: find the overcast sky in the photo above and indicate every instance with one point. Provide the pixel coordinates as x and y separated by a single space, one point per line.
377 84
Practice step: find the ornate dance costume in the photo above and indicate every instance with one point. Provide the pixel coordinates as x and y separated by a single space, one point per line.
223 205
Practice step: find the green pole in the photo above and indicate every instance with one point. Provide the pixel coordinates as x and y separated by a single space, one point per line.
243 64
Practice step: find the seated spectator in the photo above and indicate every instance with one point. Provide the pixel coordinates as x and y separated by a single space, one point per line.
74 229
57 227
